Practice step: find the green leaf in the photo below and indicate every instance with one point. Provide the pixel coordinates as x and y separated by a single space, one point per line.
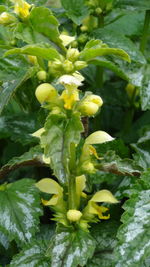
133 5
134 244
35 50
19 128
20 211
31 158
33 255
90 53
4 240
71 248
121 25
114 164
104 62
59 133
142 148
29 35
46 24
105 235
115 39
13 72
76 10
145 89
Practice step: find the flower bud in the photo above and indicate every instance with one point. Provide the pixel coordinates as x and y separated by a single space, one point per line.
74 215
32 59
73 54
80 65
45 93
22 9
95 99
41 75
84 28
88 167
82 38
98 11
74 44
6 18
68 66
88 108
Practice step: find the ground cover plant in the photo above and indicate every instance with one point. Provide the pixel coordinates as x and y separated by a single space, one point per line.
75 133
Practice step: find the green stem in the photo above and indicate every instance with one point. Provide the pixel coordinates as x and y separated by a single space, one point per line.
145 31
72 192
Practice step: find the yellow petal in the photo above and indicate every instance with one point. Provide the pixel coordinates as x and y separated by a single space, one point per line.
46 160
69 98
94 152
98 137
49 186
98 210
52 202
104 196
66 39
39 132
80 184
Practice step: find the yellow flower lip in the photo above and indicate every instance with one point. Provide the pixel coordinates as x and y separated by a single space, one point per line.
98 137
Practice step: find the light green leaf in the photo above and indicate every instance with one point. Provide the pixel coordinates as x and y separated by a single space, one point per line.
47 23
71 248
134 243
35 50
115 39
91 53
59 133
33 255
20 211
76 10
105 235
31 158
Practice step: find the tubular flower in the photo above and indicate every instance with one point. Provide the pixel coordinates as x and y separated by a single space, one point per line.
50 186
66 39
94 209
98 137
70 81
22 8
69 97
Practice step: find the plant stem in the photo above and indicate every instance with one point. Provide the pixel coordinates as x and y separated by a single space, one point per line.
145 31
72 192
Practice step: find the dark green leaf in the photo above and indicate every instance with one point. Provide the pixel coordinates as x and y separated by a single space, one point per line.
19 128
133 5
35 50
32 255
134 244
31 158
19 214
60 133
145 89
76 10
105 236
72 248
104 62
4 240
13 72
114 164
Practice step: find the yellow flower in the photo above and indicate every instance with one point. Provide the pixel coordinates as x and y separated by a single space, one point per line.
80 186
69 97
50 186
22 8
98 137
66 39
94 209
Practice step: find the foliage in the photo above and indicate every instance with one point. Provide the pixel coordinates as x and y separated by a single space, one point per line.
75 133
